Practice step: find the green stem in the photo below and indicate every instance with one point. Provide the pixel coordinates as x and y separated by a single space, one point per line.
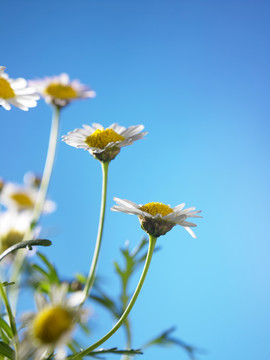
91 276
48 168
10 315
20 256
152 242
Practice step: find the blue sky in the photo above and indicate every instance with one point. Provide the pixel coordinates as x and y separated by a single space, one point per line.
196 74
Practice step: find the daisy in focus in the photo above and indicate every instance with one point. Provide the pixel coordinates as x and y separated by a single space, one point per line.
156 218
16 92
21 197
104 144
60 91
52 325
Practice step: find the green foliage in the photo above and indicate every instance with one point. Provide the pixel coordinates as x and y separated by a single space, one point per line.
132 261
7 351
165 339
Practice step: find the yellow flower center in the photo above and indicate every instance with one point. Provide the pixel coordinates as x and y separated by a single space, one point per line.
100 138
6 91
51 323
22 199
155 208
60 91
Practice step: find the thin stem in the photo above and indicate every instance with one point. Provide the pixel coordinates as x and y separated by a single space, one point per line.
48 168
20 256
91 276
152 242
10 315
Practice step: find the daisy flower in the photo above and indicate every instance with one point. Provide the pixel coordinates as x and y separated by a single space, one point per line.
60 91
13 226
157 218
52 325
15 92
21 197
104 144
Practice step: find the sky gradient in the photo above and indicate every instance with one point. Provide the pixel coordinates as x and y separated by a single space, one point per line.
196 74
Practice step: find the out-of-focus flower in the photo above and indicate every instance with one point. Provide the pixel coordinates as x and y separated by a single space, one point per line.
13 227
2 183
20 197
60 91
16 92
157 218
52 325
104 144
32 180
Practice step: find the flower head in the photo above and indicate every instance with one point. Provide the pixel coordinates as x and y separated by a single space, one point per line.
13 226
60 91
157 218
52 325
15 92
22 197
104 144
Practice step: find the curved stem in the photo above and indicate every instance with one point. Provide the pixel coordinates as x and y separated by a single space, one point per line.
91 276
152 242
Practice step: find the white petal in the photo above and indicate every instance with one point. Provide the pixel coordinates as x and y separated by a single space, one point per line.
5 104
126 203
17 84
178 207
190 232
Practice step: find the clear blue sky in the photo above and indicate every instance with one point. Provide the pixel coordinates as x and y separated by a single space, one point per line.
196 74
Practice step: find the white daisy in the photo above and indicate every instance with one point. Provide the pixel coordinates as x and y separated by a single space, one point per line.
21 197
157 218
16 92
52 325
13 226
60 91
104 144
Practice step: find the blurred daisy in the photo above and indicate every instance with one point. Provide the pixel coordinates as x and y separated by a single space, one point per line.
13 226
104 144
60 91
1 184
15 92
20 197
52 325
157 218
32 180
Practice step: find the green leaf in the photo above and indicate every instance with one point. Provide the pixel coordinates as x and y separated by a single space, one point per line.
107 302
25 244
7 351
96 353
6 328
52 274
165 339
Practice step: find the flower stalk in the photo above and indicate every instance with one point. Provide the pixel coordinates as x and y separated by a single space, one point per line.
20 256
48 168
91 276
152 242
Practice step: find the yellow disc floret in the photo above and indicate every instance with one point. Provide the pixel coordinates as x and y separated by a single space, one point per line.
6 91
155 208
51 324
22 200
60 91
100 138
